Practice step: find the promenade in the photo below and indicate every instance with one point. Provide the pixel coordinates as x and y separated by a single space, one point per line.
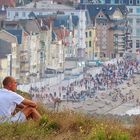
104 103
112 88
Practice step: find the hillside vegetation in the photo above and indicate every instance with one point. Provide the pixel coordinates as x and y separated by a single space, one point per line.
68 125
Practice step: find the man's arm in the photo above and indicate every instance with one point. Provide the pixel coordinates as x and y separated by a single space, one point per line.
28 102
20 106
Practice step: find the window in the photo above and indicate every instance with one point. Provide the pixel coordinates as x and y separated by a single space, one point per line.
100 16
138 10
96 54
130 2
130 44
16 14
138 31
90 33
121 2
8 14
138 2
131 30
86 44
130 21
89 43
23 14
137 43
86 34
138 20
121 54
130 10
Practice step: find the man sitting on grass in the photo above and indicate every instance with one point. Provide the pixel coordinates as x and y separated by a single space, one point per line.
10 100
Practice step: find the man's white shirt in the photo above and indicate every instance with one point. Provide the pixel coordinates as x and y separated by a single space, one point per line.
8 102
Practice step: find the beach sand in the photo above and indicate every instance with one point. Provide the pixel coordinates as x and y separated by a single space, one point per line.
103 102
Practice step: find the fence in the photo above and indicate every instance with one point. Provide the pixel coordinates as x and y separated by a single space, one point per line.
42 82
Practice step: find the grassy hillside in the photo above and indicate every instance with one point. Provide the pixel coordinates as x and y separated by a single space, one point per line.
69 125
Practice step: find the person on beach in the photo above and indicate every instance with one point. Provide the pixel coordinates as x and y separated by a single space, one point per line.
10 100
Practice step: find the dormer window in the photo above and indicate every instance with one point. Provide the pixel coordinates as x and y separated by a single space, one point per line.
131 2
138 2
100 16
121 2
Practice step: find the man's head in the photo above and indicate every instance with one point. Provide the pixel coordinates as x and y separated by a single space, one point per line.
10 83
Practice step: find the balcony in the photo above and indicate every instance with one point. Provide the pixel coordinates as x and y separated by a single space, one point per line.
24 51
24 61
24 71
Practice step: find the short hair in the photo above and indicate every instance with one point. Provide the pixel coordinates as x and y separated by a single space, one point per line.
7 80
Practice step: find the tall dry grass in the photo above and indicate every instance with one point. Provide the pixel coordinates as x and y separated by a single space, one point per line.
66 125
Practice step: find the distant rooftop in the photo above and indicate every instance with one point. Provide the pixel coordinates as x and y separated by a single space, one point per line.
5 48
116 2
46 4
17 33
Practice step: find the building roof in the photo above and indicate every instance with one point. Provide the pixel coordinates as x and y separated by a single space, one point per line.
46 4
61 20
67 21
5 48
75 20
17 33
116 27
108 10
8 2
45 21
30 26
11 25
32 15
122 2
61 33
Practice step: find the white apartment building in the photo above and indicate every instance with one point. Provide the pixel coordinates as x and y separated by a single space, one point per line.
134 22
44 8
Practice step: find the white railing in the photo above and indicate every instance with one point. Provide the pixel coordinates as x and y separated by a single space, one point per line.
42 82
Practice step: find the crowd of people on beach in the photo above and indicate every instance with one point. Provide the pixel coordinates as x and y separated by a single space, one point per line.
109 77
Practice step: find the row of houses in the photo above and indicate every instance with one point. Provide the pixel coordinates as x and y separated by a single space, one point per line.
43 35
133 16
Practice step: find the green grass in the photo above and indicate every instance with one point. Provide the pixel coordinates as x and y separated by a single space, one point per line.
69 125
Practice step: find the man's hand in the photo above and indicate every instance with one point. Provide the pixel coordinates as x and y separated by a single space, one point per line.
28 102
